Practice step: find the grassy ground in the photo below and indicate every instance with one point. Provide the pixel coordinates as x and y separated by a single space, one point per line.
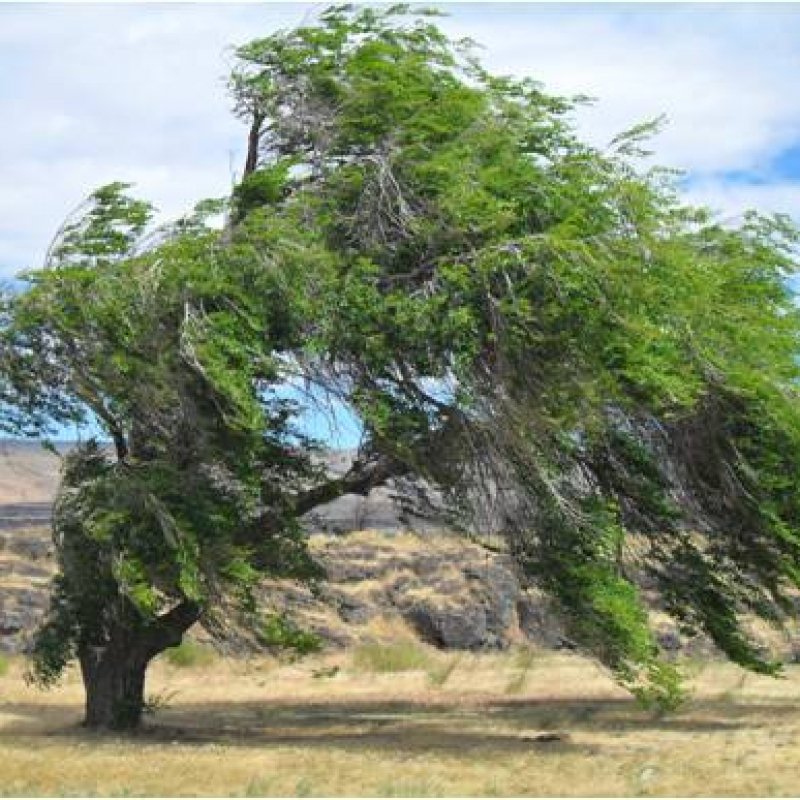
441 725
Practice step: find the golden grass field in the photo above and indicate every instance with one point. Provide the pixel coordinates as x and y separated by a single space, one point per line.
442 725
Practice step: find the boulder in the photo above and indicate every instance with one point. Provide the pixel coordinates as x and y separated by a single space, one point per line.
451 628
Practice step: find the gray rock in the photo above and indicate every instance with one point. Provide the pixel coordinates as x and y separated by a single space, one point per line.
30 598
334 637
354 612
537 621
669 640
11 644
461 628
500 590
426 565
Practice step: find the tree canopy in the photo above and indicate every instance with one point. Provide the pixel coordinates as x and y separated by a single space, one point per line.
537 327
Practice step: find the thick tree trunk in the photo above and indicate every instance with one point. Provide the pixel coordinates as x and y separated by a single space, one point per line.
114 683
114 673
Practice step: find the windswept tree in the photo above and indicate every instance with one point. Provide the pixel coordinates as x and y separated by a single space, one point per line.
538 328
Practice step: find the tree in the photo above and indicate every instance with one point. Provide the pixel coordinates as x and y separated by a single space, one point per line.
538 328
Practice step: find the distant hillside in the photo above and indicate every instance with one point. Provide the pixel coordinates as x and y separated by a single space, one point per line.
28 472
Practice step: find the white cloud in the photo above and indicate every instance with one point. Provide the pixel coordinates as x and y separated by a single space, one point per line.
731 200
94 93
724 77
102 93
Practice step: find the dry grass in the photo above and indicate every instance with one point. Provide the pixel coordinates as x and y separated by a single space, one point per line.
261 728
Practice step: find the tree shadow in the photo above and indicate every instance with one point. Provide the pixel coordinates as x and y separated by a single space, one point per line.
406 726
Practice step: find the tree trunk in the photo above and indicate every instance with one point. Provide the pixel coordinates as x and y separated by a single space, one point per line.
114 673
114 683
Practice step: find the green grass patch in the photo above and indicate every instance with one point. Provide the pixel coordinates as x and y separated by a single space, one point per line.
4 665
259 787
190 654
523 661
396 657
439 674
410 788
524 658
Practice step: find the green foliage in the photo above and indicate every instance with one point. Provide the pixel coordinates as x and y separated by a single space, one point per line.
523 661
326 672
159 701
265 186
4 665
279 632
259 787
394 657
190 654
55 642
663 690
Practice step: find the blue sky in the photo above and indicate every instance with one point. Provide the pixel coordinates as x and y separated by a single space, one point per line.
91 93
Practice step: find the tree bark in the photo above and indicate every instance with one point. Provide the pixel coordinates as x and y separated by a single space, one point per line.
114 683
253 142
114 673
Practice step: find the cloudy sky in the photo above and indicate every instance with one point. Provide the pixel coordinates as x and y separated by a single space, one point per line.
91 93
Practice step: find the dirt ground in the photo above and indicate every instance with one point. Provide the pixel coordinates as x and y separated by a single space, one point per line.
522 724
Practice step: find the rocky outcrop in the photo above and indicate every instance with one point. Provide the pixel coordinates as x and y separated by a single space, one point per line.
439 588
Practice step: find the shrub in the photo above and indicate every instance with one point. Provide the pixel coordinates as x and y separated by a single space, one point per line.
396 657
524 658
190 654
259 787
410 788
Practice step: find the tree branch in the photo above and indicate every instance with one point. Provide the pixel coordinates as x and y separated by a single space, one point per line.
253 141
361 478
169 628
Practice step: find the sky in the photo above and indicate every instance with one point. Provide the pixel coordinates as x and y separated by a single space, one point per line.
94 93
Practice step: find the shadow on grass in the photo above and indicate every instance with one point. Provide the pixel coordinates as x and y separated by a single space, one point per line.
505 725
